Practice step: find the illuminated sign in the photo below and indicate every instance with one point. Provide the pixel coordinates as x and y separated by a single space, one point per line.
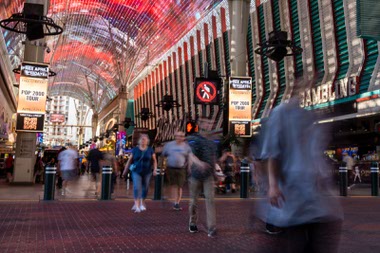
240 106
206 91
191 127
30 122
33 88
57 118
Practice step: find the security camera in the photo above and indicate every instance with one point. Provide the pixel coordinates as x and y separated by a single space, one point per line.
48 50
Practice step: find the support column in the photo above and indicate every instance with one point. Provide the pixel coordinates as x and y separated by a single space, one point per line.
26 142
239 13
123 102
94 122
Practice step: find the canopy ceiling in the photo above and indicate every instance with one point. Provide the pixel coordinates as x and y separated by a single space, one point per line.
106 43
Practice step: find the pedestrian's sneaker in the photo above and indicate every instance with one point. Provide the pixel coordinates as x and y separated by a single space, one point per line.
193 229
212 233
272 230
177 207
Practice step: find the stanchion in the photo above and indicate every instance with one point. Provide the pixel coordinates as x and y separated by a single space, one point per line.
374 179
49 188
343 178
244 179
158 184
106 183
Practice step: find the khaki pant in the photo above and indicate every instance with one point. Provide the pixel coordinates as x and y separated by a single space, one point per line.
195 187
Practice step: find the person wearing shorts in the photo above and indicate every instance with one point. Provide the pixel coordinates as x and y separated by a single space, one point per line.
68 165
177 153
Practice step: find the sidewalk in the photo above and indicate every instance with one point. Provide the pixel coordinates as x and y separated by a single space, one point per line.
110 226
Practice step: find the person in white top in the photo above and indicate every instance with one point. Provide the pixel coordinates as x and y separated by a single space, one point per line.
357 174
68 165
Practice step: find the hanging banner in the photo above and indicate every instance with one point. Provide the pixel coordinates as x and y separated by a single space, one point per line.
240 106
33 88
57 118
31 106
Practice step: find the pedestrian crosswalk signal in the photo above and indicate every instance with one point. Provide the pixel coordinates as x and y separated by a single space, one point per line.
191 127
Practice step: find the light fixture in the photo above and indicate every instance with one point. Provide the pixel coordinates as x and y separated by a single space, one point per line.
145 114
167 103
276 48
31 22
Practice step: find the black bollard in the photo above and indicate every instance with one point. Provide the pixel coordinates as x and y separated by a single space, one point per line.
158 184
244 179
343 178
106 183
374 179
49 188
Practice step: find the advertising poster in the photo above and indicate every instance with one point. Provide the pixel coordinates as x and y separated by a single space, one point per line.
57 118
240 106
120 143
30 122
31 106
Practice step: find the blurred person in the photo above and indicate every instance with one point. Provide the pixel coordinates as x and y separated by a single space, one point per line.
39 170
228 162
357 174
9 165
68 161
300 204
94 158
202 172
142 158
177 153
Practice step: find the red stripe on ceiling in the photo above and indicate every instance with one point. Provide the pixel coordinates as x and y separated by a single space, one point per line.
214 28
185 52
205 28
192 51
165 69
174 60
223 19
199 40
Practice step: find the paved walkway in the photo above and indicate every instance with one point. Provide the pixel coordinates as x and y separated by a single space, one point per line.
110 226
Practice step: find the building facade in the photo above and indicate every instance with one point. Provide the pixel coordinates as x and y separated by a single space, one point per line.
68 121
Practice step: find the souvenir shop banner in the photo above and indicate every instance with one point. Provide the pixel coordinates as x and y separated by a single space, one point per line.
240 106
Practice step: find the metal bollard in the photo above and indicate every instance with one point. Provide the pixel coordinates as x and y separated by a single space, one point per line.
49 187
106 183
375 179
158 185
343 178
244 179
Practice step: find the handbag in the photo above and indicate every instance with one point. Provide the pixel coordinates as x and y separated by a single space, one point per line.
133 166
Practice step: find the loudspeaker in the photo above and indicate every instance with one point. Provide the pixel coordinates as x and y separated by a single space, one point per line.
34 30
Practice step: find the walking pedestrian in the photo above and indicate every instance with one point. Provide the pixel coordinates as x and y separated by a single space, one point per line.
177 153
94 159
300 204
68 161
202 173
140 164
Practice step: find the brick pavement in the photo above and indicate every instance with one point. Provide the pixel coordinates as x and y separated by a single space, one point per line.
96 226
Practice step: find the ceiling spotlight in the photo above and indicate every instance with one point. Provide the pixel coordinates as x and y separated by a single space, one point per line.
278 46
167 103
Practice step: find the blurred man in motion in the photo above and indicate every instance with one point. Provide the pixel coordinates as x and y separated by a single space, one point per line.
202 171
68 166
300 206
